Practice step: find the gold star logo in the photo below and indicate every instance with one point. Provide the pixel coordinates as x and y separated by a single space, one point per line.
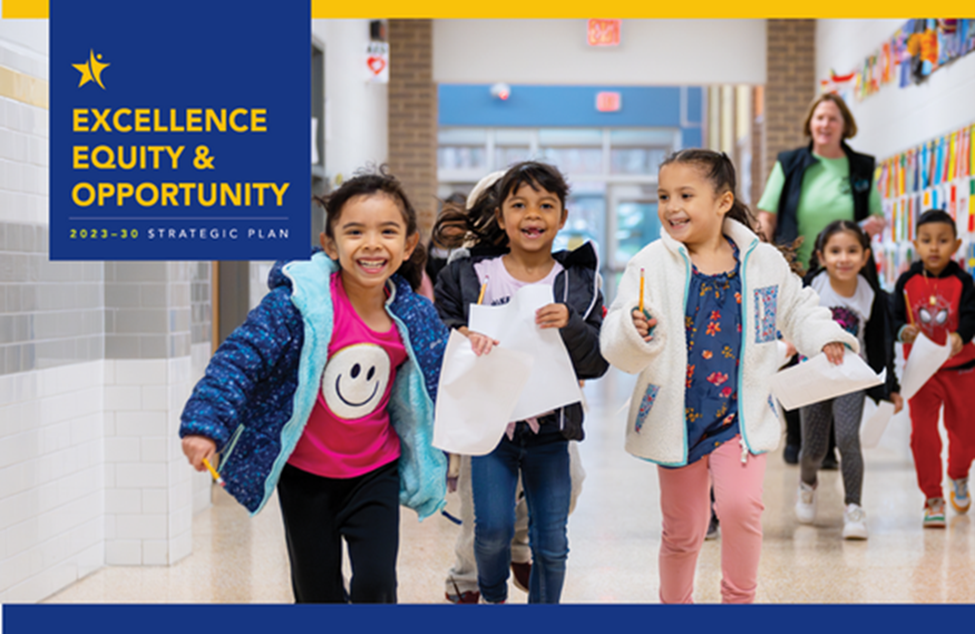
92 70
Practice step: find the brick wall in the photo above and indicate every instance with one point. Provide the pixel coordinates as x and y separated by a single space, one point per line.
791 85
413 114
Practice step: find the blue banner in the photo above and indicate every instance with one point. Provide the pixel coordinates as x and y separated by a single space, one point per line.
564 619
180 130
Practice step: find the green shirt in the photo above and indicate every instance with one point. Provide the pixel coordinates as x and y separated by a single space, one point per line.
825 197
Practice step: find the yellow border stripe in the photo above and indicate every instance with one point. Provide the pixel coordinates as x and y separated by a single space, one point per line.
38 9
24 88
30 9
637 9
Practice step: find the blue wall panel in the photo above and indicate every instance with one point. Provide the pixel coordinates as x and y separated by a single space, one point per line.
573 106
694 105
690 137
565 106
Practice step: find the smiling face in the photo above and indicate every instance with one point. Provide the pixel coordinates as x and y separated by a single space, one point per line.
935 244
689 209
531 218
843 256
369 240
826 126
355 380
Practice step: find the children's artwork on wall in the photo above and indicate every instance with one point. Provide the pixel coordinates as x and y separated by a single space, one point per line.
917 49
842 85
935 174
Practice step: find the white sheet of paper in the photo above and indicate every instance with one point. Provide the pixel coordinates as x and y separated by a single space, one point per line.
817 380
476 396
926 357
552 382
874 422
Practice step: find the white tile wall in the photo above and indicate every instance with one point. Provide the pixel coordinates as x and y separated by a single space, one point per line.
26 45
149 501
91 471
51 479
23 161
87 458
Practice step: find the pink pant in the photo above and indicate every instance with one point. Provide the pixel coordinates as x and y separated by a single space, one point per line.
685 503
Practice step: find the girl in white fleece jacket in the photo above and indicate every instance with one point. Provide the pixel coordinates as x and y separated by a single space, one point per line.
715 299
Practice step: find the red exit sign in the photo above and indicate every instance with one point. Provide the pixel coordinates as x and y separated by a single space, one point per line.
608 101
603 32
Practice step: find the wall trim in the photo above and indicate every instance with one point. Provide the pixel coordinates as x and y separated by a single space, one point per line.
24 88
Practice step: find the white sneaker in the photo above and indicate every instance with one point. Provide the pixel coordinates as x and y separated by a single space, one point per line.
854 522
806 503
484 601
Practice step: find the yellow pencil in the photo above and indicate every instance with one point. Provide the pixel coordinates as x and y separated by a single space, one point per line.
641 290
480 297
213 472
907 302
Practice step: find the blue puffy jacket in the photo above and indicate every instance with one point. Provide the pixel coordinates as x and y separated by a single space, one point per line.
262 382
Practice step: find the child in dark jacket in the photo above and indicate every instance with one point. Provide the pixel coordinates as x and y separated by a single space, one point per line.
513 249
845 277
326 392
936 297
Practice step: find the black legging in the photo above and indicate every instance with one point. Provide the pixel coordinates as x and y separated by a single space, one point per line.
318 512
793 433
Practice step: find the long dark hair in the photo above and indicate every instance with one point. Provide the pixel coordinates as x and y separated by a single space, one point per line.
720 172
372 182
452 216
869 270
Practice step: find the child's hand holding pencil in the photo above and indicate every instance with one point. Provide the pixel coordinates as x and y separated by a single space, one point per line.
480 344
641 318
213 472
200 452
643 323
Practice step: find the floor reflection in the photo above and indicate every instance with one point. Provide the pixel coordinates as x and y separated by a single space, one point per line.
614 537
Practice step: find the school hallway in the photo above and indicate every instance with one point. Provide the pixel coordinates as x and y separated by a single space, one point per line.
614 537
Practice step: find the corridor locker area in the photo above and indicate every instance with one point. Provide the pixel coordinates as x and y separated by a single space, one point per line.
97 503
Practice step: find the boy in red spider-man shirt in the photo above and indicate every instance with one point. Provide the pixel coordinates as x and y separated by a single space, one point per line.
941 299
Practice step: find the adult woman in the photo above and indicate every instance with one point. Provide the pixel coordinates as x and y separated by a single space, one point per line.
812 186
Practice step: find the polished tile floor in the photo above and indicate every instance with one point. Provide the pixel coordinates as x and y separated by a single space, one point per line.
614 537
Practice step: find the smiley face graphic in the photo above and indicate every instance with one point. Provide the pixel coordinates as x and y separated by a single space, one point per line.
355 380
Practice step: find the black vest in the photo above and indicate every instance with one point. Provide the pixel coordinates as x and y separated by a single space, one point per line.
794 164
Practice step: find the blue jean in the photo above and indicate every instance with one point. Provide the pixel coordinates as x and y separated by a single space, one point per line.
543 460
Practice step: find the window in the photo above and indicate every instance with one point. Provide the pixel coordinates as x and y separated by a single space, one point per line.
462 157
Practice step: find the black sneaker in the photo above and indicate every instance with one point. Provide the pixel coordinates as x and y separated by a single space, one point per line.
521 574
791 454
714 528
830 463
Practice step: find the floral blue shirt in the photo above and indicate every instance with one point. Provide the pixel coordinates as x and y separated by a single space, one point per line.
713 324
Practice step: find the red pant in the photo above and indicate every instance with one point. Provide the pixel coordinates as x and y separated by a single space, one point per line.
955 390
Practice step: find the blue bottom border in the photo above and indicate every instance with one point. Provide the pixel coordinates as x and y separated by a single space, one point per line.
436 619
